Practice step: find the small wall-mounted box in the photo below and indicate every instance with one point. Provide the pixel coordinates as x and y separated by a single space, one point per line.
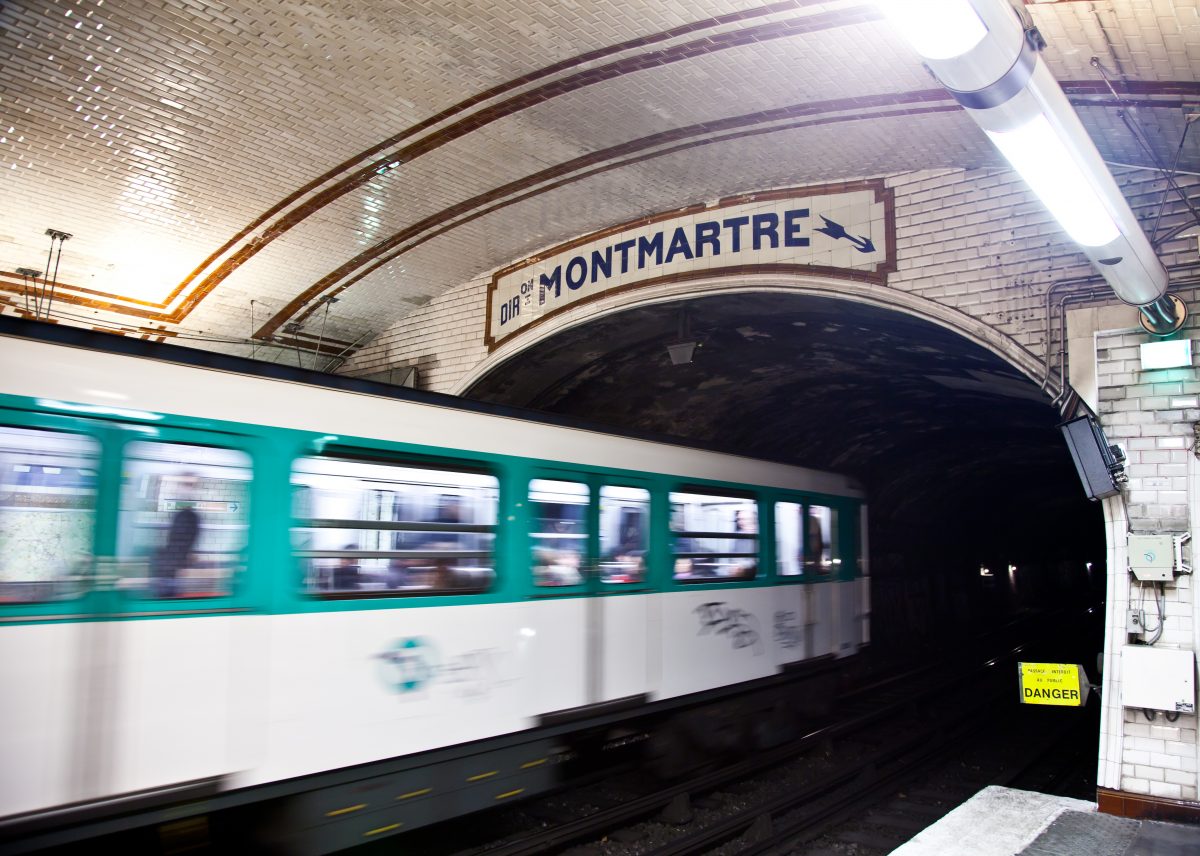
1158 678
1152 557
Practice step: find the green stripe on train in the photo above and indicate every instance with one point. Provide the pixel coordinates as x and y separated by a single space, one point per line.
272 583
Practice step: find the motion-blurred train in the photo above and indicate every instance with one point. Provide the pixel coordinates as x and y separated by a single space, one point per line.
226 582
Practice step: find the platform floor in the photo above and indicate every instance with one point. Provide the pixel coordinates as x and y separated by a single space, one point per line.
1005 822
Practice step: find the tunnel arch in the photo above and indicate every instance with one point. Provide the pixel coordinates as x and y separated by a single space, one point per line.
945 420
970 328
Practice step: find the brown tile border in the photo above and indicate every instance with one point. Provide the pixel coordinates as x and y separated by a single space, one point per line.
747 35
386 250
11 282
514 104
375 257
450 226
70 294
1145 807
488 94
469 124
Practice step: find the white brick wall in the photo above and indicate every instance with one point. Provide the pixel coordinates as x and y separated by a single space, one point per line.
1151 414
443 339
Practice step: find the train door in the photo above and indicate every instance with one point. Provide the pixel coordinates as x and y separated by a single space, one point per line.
588 540
619 594
182 689
111 535
52 501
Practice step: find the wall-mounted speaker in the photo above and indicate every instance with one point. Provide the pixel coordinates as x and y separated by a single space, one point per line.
1101 467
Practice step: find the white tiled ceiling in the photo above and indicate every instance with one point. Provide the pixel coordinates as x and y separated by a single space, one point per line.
203 155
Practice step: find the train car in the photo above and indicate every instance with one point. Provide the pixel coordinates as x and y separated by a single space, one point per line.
226 582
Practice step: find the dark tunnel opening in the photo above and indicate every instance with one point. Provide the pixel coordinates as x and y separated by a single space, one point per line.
960 453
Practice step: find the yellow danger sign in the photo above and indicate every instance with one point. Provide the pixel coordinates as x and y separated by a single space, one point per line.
1063 684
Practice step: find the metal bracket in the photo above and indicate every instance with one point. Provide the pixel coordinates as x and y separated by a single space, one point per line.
1182 566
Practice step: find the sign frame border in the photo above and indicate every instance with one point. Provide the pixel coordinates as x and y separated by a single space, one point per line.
883 194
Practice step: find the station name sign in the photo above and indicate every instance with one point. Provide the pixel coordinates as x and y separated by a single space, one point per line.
845 230
1061 684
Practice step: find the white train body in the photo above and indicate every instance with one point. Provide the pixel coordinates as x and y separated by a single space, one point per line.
108 694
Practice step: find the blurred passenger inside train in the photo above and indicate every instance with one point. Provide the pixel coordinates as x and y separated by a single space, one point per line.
685 566
817 558
716 537
559 565
627 561
182 526
438 571
346 572
745 520
176 551
558 544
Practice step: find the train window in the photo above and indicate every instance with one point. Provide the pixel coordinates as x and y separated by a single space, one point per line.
862 566
806 539
716 537
183 520
364 528
47 509
789 540
559 536
624 533
821 554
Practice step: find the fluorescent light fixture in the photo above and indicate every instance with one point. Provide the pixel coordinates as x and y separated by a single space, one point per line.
937 29
1047 166
1167 355
981 51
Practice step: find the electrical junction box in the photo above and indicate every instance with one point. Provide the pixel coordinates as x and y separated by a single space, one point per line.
1158 678
1152 557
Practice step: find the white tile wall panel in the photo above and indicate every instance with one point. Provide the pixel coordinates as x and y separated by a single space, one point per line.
1158 758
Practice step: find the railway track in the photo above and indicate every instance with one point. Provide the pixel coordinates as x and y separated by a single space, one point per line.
845 771
901 752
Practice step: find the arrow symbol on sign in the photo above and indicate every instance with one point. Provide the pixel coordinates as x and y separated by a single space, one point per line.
837 230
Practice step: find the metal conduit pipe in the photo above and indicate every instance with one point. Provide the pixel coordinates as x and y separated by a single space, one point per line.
1082 296
1064 387
981 51
1090 286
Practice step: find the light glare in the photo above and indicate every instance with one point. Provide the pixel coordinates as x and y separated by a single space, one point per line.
97 410
1166 355
937 29
1040 156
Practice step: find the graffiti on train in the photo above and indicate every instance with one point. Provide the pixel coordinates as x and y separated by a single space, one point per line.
737 625
788 633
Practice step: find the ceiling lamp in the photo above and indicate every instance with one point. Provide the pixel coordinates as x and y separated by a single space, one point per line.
981 52
681 350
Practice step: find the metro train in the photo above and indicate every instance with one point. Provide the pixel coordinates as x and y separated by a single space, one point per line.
225 583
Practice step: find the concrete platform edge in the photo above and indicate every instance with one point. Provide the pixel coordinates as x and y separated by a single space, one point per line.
995 822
